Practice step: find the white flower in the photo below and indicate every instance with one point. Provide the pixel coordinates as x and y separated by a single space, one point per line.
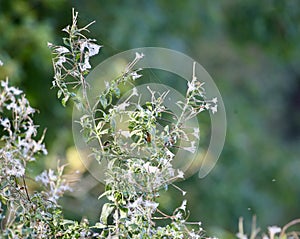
150 169
215 100
43 178
214 109
4 84
122 106
196 132
31 130
134 91
135 75
192 148
17 169
5 123
150 204
61 50
273 230
15 91
14 106
51 175
107 85
139 55
93 48
60 61
39 148
66 29
191 86
136 203
169 153
207 106
180 174
86 65
241 236
125 133
1 63
183 205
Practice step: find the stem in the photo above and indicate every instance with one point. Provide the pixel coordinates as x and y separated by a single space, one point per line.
25 188
294 222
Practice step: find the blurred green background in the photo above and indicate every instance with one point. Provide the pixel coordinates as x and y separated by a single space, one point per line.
250 48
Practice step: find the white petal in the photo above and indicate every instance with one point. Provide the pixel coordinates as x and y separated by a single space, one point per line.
93 48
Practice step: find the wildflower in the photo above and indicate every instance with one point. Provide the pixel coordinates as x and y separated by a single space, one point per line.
5 123
43 178
192 148
214 109
136 203
183 205
60 61
1 63
54 184
215 100
135 75
30 130
86 65
169 153
139 56
196 132
180 174
122 106
191 86
150 169
93 48
15 168
15 91
241 236
151 205
134 92
273 230
61 50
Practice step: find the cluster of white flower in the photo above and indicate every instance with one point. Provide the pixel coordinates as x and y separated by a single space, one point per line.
274 232
195 97
54 184
65 64
18 132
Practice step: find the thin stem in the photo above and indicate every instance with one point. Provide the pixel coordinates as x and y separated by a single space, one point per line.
25 188
294 222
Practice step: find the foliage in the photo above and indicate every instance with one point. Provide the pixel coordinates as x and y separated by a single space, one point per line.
22 214
136 172
260 90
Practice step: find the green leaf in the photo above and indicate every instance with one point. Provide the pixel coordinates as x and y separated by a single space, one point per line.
105 131
117 92
65 100
99 125
123 212
103 101
59 93
66 41
107 209
99 225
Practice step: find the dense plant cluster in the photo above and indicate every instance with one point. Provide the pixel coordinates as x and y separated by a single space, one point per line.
139 157
24 214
